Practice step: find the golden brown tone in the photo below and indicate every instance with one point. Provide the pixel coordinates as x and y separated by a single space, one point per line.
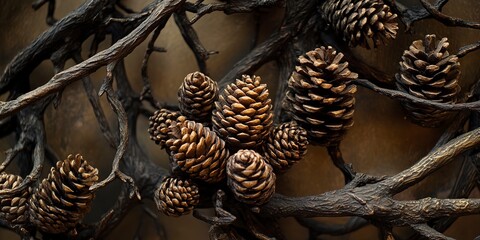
429 72
368 23
159 123
196 96
176 197
63 198
286 145
13 207
320 95
250 177
198 151
243 113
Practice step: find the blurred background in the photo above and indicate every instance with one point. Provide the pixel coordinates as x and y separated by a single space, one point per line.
382 141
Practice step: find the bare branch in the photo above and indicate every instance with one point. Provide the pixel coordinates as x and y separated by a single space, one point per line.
472 106
117 51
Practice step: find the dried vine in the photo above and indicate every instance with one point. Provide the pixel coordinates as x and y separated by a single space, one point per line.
367 199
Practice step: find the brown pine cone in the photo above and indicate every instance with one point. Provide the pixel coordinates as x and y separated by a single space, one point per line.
428 71
198 151
159 123
250 177
286 145
61 200
196 97
320 95
361 22
13 207
243 113
176 197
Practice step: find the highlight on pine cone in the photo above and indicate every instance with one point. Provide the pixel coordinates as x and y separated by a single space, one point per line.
13 208
198 151
196 96
250 177
176 197
368 23
159 123
429 72
286 145
320 95
62 199
243 113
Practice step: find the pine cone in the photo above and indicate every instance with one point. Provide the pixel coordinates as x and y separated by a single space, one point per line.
159 123
196 97
361 22
286 145
250 177
176 197
13 207
243 113
428 71
62 199
320 95
198 151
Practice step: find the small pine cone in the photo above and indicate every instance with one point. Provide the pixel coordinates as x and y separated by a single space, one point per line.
320 95
13 207
361 22
196 97
250 177
159 123
198 151
176 197
428 71
62 199
243 113
286 145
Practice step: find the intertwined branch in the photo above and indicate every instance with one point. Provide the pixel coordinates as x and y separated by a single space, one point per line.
367 199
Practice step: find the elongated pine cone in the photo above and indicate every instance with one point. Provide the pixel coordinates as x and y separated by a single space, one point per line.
159 123
320 95
361 22
429 72
198 151
61 200
196 96
250 177
243 113
286 145
176 197
13 207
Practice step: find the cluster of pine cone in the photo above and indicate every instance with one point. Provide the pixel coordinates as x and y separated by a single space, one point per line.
427 70
223 137
57 204
230 134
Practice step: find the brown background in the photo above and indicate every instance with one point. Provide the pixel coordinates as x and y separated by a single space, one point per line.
382 142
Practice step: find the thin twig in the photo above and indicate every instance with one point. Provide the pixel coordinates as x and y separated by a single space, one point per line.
337 159
191 38
448 20
471 106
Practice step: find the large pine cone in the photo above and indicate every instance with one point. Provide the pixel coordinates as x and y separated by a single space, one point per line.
361 22
243 113
159 123
176 197
428 71
13 207
250 177
198 151
196 97
286 145
62 199
320 95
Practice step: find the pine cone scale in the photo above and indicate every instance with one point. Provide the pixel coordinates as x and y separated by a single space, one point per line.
429 72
